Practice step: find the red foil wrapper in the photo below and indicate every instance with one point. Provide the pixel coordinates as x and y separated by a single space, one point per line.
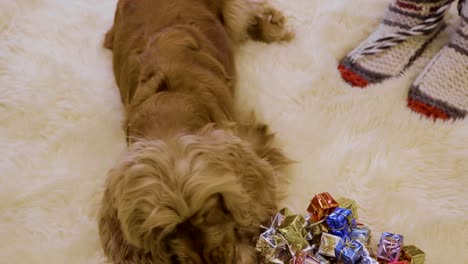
321 205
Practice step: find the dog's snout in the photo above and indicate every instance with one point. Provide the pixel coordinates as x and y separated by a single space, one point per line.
174 260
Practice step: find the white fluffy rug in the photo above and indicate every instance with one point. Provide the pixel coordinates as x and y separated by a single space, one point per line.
60 131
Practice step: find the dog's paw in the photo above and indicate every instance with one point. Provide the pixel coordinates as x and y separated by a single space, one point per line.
271 26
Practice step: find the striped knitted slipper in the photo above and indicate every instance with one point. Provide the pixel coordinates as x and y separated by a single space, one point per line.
441 90
406 29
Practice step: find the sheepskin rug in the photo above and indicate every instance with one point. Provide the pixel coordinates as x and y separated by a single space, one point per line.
60 118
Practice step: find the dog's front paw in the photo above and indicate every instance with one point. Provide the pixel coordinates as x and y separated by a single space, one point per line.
271 26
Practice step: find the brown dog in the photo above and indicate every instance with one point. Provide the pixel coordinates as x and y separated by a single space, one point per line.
197 181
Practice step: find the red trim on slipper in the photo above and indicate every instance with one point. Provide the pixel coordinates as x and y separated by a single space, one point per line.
427 110
351 77
415 7
408 6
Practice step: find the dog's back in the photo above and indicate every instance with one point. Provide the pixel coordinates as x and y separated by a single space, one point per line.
176 47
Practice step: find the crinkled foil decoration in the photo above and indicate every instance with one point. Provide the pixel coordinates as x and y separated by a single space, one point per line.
321 205
413 254
293 230
390 247
328 244
349 204
361 233
348 251
341 222
315 231
270 243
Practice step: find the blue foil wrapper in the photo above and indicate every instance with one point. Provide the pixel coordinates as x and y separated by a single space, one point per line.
341 222
365 251
362 234
368 260
366 254
324 260
348 251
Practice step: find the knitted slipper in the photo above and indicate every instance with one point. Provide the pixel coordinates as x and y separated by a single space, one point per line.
441 90
407 28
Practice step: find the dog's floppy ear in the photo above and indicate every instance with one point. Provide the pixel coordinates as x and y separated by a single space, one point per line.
249 191
142 201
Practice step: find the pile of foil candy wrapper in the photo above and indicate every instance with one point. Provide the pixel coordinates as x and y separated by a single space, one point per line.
330 233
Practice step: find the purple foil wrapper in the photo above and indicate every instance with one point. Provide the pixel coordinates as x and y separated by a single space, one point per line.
368 260
390 247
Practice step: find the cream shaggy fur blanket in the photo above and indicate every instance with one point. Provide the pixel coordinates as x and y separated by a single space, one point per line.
60 118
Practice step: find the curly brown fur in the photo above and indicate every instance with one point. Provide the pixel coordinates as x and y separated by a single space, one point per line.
197 181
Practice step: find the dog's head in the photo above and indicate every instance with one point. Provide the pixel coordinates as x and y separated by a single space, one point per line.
195 199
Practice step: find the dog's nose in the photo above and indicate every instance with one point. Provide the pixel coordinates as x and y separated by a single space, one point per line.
174 260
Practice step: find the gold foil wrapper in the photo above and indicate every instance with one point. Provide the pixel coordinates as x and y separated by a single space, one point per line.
270 243
348 204
315 231
285 212
293 229
413 255
328 244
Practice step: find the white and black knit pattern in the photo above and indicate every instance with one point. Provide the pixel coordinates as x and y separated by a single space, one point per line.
441 90
425 27
406 29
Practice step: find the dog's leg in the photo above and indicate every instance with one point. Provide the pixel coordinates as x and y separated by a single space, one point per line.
109 39
254 19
